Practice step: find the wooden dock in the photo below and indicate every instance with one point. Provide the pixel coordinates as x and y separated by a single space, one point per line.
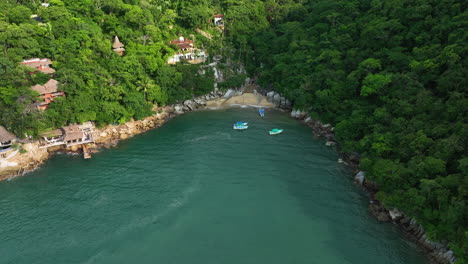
86 152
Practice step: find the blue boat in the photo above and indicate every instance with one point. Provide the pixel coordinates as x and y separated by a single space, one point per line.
261 112
240 125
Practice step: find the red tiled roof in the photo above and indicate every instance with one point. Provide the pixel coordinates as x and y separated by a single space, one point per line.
42 65
185 44
35 63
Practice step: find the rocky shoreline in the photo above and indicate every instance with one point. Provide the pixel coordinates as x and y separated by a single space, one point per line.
437 252
109 136
106 137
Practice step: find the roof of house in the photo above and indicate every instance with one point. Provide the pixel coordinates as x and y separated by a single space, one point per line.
72 132
5 135
46 70
117 44
36 62
53 133
218 15
50 86
183 44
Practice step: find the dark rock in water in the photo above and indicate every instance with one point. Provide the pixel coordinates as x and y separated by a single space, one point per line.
404 221
379 212
353 157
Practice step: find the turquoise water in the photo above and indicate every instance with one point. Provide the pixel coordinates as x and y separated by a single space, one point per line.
196 191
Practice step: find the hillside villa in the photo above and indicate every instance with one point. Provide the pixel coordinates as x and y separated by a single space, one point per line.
187 52
42 65
69 136
48 92
218 20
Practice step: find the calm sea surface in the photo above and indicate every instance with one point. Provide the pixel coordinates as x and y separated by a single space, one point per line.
195 191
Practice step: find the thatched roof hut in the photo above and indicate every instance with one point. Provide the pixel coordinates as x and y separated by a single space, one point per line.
117 46
5 135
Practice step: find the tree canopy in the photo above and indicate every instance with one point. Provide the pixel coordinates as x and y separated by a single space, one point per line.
392 77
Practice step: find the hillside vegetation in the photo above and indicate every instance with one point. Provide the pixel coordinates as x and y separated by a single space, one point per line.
391 76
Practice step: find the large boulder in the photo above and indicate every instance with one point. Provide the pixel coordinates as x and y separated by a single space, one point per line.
379 212
178 109
200 101
270 94
229 93
360 177
395 214
191 105
298 114
277 99
282 102
294 113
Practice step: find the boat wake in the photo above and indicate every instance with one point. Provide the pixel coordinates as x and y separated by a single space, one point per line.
197 139
217 136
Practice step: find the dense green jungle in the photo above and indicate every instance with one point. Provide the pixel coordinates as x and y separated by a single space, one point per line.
390 76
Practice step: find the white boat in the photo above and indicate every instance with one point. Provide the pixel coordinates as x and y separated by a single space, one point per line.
275 131
240 127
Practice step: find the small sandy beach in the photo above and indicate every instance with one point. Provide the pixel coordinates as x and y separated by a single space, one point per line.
249 99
